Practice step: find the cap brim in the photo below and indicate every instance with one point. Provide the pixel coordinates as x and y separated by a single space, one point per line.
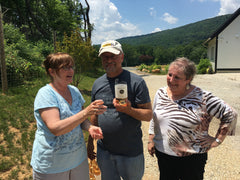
110 50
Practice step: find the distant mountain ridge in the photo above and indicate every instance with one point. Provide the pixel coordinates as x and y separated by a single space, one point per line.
198 31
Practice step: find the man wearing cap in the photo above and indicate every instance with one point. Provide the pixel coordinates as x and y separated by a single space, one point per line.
120 152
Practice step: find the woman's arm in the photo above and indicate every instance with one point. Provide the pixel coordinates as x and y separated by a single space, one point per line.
226 114
51 117
94 131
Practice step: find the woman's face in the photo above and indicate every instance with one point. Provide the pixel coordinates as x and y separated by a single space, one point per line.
176 80
64 75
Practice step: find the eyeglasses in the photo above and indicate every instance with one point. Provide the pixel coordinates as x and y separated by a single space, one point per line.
113 57
67 68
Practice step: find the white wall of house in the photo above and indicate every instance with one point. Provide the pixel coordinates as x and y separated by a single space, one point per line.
229 46
211 51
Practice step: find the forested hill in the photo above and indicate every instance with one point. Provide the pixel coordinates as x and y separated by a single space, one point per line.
183 35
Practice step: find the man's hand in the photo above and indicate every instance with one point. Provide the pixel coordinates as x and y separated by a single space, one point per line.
122 108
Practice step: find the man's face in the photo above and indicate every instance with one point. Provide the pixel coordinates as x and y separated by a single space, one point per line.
112 63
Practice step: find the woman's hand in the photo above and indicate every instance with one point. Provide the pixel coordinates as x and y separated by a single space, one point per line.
95 132
151 148
96 108
209 142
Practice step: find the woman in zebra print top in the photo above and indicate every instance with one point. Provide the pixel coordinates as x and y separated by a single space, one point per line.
178 132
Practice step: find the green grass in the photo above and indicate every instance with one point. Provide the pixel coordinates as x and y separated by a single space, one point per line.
18 126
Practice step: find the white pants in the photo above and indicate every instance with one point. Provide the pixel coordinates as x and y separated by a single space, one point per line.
81 172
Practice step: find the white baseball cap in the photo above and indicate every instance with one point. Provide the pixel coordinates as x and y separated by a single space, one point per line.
111 46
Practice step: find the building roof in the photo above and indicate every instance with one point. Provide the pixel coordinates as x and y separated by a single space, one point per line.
221 28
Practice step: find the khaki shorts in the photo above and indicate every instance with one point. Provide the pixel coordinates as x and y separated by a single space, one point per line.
81 172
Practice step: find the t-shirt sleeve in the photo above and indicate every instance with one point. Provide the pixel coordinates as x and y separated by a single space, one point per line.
45 98
142 93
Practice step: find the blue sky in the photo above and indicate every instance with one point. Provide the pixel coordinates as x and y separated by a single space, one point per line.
114 19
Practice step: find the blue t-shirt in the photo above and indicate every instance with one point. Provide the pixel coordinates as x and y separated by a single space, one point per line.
122 133
54 154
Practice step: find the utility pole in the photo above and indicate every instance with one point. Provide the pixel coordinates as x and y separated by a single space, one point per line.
2 56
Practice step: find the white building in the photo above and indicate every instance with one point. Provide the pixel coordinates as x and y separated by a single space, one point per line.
224 45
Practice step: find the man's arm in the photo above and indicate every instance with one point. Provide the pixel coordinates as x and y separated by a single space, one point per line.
143 112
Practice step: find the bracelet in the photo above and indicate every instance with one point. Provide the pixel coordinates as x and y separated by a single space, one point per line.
218 141
149 142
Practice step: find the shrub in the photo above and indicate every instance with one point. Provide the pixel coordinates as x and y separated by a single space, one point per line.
154 68
157 66
203 65
23 58
142 66
166 68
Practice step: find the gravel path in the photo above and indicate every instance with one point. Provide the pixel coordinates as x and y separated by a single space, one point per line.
224 161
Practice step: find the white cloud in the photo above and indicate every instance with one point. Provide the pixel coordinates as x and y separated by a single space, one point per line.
228 6
153 12
169 18
108 23
203 0
156 30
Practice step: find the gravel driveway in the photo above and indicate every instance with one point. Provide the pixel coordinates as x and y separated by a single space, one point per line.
224 161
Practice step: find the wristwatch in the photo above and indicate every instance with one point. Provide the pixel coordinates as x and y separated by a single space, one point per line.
218 141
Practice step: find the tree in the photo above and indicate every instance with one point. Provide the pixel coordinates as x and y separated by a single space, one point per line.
48 19
146 59
82 51
88 27
130 55
2 57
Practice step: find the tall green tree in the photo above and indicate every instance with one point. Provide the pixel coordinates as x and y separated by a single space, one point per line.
48 19
82 51
131 55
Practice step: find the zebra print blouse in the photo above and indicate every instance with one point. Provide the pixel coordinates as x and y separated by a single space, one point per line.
179 126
